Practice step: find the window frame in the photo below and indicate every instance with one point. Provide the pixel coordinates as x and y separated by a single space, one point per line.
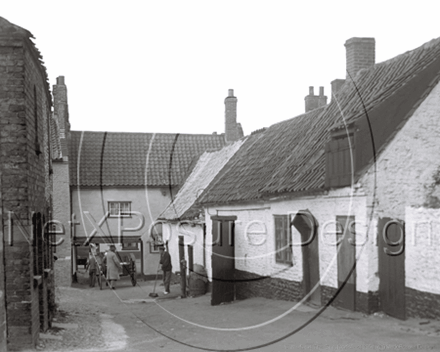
154 248
125 248
283 244
123 215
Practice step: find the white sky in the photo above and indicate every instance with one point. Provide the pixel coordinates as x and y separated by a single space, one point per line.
166 66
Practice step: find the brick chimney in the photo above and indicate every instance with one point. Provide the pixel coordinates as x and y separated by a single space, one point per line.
231 128
336 86
361 54
61 112
315 101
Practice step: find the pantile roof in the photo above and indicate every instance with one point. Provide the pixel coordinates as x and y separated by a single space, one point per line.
135 159
209 164
290 157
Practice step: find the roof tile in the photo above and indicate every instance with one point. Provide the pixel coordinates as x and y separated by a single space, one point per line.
289 156
135 159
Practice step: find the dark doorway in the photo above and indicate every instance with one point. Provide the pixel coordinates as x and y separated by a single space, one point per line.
307 226
346 262
223 259
391 245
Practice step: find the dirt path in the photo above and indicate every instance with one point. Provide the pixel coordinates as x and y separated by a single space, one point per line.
127 319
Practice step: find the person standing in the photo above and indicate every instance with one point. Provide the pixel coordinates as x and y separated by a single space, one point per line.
165 260
91 266
113 266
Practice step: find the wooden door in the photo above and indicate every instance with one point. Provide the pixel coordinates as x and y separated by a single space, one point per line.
346 259
223 259
306 225
391 246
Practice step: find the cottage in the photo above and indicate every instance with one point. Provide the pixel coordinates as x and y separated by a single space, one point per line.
29 140
339 205
182 223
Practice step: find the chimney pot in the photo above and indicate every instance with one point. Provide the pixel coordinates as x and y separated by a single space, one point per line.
321 91
60 80
311 91
230 92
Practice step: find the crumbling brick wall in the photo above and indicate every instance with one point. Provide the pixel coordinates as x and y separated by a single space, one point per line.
25 186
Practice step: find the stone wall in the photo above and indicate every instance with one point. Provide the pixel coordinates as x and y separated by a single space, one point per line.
405 184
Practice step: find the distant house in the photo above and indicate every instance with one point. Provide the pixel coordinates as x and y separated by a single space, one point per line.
339 205
29 140
119 183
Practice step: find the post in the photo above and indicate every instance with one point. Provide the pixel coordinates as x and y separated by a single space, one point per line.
182 262
183 277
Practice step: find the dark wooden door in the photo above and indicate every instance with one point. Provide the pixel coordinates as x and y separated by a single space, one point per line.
391 245
346 262
223 259
306 225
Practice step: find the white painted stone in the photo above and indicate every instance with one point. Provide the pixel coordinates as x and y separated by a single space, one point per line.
422 259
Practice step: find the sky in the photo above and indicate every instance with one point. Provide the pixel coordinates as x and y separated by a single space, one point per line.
166 66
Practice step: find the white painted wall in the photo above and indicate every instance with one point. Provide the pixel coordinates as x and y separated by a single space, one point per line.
404 170
150 202
402 179
193 235
422 249
254 256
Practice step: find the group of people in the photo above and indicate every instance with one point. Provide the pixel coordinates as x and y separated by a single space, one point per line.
110 265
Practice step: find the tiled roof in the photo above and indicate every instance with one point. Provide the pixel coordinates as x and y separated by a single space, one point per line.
290 156
282 145
208 165
135 159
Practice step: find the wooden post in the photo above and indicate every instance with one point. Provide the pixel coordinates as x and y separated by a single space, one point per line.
182 262
190 259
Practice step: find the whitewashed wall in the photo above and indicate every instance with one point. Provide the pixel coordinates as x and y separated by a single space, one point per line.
422 249
255 252
193 235
404 171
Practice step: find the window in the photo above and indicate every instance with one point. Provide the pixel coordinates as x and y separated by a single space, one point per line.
283 240
117 209
154 248
133 246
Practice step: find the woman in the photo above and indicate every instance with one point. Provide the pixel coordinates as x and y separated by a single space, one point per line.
113 266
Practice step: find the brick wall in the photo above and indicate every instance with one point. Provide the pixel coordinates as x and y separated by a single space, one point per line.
25 186
231 131
61 215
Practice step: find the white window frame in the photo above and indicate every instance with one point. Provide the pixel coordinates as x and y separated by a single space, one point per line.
119 209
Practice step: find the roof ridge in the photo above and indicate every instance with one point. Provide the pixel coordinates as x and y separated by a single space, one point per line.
421 48
150 133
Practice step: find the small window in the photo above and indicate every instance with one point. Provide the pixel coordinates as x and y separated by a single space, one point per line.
133 246
283 240
154 247
119 209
